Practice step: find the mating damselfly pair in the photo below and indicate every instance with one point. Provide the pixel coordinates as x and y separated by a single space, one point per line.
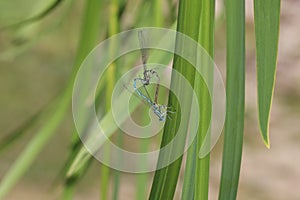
160 110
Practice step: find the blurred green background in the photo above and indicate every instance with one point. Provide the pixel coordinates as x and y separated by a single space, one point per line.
35 65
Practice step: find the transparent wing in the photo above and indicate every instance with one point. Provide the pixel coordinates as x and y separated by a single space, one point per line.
131 91
144 51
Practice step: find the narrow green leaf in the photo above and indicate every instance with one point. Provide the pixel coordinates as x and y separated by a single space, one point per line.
165 179
40 16
110 81
117 174
235 99
196 178
266 15
68 193
158 14
36 144
23 162
206 39
12 52
90 32
188 188
142 179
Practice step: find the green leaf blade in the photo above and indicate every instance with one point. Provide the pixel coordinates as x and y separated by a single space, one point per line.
44 134
206 39
235 99
165 179
266 15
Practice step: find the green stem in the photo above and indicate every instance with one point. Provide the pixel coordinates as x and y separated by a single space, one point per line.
142 179
158 15
68 192
111 73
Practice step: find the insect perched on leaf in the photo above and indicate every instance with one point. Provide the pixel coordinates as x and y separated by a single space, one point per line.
161 111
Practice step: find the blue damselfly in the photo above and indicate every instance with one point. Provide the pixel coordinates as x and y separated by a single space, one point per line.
161 111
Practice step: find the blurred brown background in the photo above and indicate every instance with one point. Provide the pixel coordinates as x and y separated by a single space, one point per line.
33 75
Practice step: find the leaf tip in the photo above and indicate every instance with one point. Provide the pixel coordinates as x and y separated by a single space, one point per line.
267 143
265 135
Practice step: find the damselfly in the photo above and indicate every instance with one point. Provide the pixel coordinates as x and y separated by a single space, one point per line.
148 73
161 111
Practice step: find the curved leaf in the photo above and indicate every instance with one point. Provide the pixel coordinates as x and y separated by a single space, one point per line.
39 16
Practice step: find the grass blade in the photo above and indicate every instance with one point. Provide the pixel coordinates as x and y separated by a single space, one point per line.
36 144
34 147
196 179
206 39
12 52
188 188
142 179
158 14
165 179
88 40
110 81
235 99
38 17
266 15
